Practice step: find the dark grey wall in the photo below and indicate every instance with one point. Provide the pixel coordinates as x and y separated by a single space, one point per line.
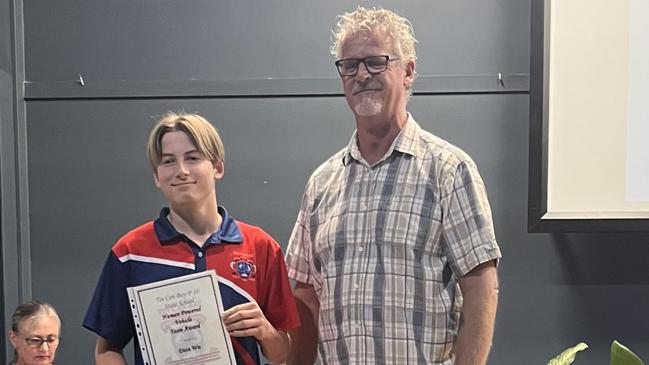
7 209
88 180
5 104
5 37
233 40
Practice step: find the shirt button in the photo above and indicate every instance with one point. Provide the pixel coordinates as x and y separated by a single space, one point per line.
360 249
356 286
200 254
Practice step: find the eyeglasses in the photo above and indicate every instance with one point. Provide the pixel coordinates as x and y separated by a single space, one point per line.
37 341
373 64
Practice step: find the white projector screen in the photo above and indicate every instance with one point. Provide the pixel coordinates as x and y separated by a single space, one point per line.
637 167
598 154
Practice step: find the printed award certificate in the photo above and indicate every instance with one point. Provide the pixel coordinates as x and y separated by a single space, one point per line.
178 321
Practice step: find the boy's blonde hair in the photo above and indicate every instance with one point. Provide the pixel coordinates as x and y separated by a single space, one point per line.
200 131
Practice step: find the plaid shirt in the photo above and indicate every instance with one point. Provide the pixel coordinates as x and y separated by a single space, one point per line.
384 245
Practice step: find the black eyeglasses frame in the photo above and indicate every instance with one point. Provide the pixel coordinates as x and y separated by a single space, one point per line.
339 64
31 341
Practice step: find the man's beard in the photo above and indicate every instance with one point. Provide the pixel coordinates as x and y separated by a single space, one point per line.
369 106
371 103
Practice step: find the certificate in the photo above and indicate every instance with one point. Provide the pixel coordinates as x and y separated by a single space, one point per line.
178 321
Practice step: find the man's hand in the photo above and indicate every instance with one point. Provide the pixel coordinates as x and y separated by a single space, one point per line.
304 339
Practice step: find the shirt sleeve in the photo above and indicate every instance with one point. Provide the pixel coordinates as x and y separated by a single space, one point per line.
468 231
278 302
109 315
299 253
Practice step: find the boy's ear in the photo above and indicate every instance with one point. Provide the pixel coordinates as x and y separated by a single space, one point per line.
218 170
155 179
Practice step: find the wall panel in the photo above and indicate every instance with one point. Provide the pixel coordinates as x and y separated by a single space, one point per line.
260 70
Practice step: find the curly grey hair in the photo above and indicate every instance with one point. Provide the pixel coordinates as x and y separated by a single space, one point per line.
398 28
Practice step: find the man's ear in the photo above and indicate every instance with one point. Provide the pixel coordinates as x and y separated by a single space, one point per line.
410 74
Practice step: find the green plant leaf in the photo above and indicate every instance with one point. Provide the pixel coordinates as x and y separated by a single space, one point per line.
621 355
568 356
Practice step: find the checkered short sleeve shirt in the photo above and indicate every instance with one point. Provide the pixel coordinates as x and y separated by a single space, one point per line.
384 246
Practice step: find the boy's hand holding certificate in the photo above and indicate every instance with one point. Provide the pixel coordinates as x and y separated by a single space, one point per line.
178 321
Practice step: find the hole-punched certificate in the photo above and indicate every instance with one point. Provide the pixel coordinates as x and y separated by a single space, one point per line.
178 321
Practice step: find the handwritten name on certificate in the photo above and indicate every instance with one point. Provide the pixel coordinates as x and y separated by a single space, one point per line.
178 321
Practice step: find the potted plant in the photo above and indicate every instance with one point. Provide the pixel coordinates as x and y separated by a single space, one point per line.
620 355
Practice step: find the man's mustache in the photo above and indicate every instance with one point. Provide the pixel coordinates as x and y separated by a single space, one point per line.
360 86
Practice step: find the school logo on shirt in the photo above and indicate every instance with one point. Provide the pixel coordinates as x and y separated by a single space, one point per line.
245 268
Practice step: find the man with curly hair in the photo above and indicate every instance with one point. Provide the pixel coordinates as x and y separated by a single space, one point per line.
393 252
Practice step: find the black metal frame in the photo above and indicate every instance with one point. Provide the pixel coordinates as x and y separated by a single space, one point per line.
538 154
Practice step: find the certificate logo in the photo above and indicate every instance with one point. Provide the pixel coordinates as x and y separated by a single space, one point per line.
245 268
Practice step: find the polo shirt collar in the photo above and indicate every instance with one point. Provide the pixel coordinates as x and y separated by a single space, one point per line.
228 231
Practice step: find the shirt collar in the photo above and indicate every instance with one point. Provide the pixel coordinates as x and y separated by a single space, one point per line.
405 142
167 234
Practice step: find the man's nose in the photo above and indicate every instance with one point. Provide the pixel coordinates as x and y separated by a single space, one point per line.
363 73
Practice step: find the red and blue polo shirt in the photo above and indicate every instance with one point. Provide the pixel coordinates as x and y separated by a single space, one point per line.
249 263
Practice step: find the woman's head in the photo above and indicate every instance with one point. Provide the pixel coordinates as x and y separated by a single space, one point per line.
34 335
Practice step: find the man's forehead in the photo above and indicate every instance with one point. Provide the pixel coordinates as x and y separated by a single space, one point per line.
368 35
367 39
